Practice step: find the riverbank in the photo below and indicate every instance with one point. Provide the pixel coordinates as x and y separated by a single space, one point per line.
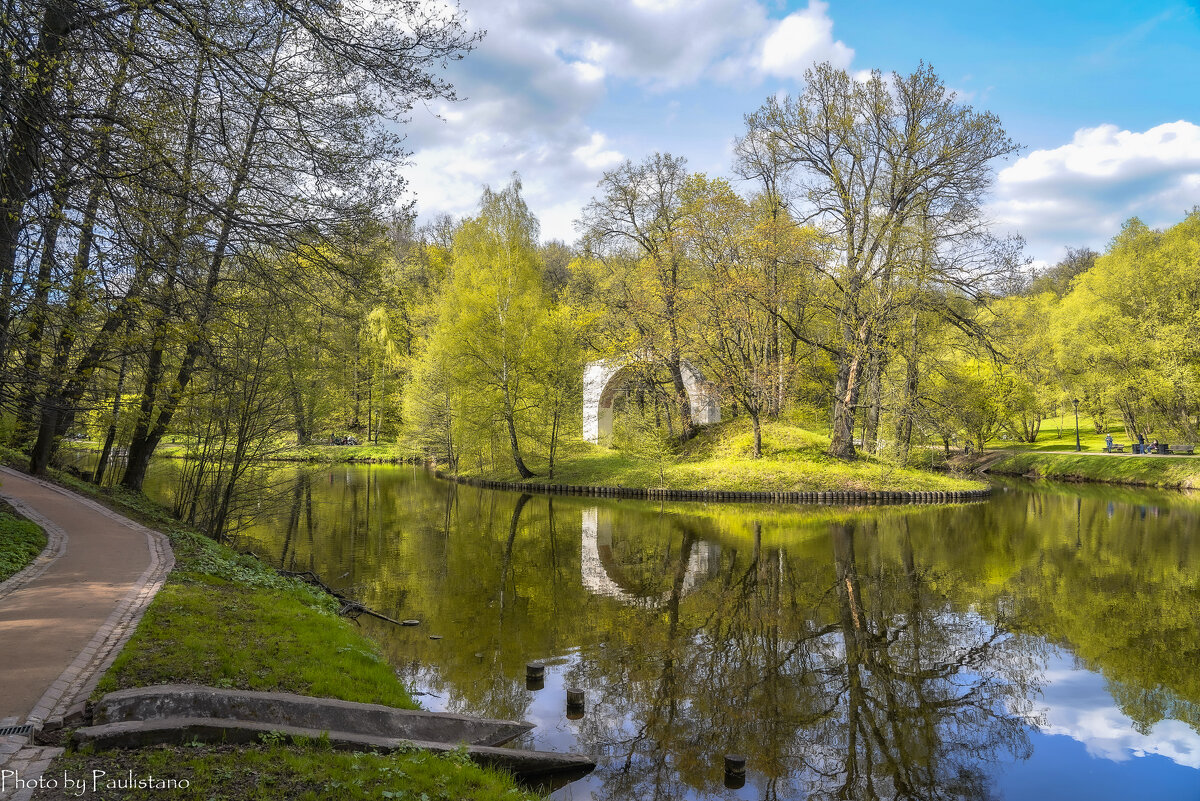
224 619
719 460
380 453
1168 472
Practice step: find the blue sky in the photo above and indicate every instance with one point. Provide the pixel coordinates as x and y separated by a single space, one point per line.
1104 97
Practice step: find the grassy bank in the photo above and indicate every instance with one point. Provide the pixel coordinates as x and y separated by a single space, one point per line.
20 542
224 619
382 453
719 458
1149 471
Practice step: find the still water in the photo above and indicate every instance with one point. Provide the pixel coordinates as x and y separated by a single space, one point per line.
1044 644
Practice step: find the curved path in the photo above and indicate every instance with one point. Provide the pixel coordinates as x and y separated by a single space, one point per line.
64 618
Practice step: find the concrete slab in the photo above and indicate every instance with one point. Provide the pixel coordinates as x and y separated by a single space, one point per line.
321 714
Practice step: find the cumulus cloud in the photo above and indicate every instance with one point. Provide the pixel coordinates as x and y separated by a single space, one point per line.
1081 192
545 65
800 39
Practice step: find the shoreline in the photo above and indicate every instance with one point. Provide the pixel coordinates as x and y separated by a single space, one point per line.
1163 472
835 497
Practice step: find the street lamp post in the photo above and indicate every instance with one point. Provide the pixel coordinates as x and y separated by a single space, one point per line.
1075 401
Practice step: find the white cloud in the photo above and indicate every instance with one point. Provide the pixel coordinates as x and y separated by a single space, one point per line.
799 40
1081 192
545 65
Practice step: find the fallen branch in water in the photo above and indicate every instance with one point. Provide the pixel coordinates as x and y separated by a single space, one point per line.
350 608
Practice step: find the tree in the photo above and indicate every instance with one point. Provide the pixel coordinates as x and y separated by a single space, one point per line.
197 138
740 293
870 158
492 305
633 230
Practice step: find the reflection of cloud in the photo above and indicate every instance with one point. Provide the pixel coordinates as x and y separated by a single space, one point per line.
1078 705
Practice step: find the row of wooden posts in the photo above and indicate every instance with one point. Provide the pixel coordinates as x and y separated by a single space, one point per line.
646 493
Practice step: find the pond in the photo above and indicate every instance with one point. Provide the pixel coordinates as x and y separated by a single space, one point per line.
1043 644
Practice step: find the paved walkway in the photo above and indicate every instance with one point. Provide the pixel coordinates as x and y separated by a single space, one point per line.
64 618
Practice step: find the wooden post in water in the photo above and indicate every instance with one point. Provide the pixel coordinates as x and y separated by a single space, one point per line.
575 703
535 670
735 771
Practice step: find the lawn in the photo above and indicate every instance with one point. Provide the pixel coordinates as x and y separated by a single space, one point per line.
1090 441
274 770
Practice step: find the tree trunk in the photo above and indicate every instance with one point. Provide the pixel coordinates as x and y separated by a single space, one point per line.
38 313
111 436
870 441
908 408
845 399
29 121
516 448
687 428
754 413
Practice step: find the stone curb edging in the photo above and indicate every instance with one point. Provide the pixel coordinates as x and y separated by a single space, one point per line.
726 496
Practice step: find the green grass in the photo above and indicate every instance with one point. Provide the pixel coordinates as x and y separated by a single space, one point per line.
20 543
719 458
1049 438
383 452
299 772
1152 471
226 620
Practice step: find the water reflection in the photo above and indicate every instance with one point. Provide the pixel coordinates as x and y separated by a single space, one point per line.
881 653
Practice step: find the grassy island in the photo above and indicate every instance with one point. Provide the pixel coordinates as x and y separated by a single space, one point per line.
719 458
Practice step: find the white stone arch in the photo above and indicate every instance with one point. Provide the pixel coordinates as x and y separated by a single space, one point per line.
602 379
601 575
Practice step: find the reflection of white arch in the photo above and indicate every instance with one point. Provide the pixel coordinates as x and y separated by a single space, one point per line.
602 379
598 566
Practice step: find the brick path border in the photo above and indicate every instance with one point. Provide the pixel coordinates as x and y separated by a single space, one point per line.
80 678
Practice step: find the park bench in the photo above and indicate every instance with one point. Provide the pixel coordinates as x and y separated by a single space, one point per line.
1181 449
1116 448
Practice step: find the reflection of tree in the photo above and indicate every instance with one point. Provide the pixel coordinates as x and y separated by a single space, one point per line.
926 691
840 684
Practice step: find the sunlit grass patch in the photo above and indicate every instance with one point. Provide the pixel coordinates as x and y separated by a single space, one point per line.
206 630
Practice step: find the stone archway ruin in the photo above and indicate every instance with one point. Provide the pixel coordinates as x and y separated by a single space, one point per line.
602 379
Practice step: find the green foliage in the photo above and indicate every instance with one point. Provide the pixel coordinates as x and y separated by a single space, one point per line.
20 543
501 365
